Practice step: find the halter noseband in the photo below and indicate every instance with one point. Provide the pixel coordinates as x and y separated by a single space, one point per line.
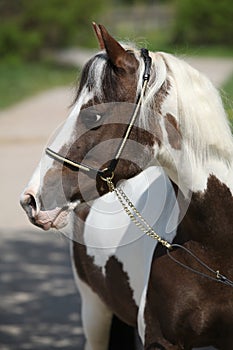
105 173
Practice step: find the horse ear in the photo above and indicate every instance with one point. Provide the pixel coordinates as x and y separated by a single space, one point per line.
116 53
99 35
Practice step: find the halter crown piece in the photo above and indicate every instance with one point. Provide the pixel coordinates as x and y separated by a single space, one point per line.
105 173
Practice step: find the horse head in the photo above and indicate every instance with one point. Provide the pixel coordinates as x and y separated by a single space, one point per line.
109 87
178 121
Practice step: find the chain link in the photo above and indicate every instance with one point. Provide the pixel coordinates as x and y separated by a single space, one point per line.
134 214
142 224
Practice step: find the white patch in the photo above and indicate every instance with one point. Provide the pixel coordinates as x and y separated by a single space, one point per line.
96 317
141 318
67 133
109 232
66 136
96 73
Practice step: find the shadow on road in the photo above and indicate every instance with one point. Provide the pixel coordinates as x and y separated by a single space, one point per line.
40 307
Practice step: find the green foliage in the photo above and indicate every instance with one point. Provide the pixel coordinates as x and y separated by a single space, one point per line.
204 22
227 95
29 26
20 80
135 2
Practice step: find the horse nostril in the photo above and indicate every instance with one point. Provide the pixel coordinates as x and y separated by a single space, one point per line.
28 203
32 202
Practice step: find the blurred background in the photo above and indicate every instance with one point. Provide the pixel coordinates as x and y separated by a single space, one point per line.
30 32
43 45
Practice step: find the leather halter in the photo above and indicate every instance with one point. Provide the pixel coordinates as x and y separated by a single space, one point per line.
110 170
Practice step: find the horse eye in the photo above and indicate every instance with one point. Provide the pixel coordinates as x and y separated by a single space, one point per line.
98 117
92 120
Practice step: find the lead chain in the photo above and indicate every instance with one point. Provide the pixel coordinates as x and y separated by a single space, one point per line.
134 214
141 223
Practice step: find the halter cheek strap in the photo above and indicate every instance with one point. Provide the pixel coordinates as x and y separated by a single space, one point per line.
146 77
105 173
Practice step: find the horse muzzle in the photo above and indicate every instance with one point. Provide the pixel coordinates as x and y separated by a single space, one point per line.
46 219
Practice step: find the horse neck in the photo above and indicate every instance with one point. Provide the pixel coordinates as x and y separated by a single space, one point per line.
209 217
191 174
192 127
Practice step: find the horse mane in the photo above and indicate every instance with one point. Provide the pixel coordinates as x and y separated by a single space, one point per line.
201 116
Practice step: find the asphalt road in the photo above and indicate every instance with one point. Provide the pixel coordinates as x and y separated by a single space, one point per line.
40 307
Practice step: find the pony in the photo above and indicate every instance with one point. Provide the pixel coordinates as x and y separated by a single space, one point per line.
134 111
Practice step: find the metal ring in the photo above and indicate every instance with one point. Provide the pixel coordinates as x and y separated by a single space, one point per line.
107 178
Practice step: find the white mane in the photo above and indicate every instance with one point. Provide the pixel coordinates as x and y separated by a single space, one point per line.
199 110
191 98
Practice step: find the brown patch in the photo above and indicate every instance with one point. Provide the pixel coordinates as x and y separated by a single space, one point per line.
77 184
173 132
156 110
118 56
81 214
178 297
113 288
212 213
161 95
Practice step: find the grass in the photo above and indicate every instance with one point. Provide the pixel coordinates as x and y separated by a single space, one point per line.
227 95
20 80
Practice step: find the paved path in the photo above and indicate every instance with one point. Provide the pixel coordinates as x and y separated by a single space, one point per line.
40 309
24 130
217 69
